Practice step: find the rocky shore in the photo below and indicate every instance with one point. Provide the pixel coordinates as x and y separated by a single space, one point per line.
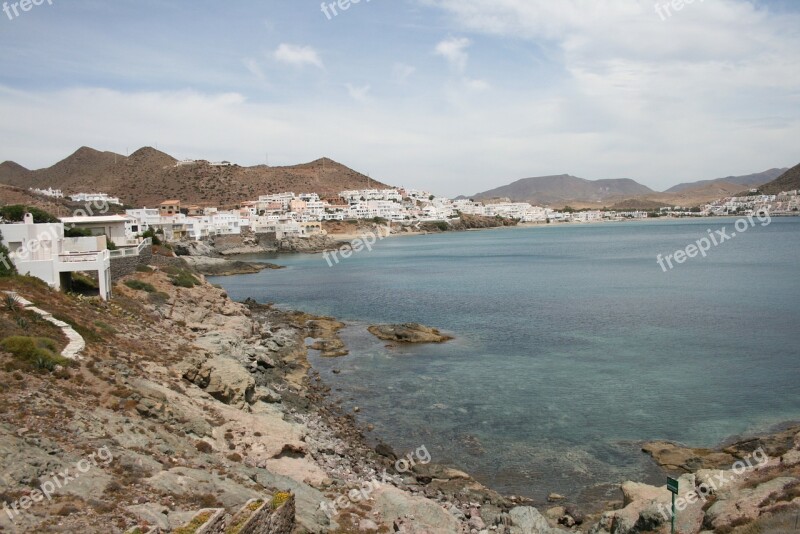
202 403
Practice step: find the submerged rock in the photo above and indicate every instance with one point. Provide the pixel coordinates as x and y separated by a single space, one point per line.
408 333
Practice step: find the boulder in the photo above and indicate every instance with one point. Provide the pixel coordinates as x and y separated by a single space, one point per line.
528 520
408 333
742 505
222 378
416 514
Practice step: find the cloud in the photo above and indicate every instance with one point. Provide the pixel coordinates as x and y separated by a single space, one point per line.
358 93
453 49
496 142
298 55
401 72
254 68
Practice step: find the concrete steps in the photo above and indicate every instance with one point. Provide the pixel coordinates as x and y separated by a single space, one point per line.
76 342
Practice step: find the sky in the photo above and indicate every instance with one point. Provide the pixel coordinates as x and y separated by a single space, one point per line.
453 96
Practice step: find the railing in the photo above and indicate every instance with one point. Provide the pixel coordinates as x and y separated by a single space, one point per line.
132 251
80 257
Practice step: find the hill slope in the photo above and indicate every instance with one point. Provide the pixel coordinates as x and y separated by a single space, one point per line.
788 181
750 180
148 176
563 189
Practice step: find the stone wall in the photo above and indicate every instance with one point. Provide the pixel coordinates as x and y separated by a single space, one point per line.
125 265
167 261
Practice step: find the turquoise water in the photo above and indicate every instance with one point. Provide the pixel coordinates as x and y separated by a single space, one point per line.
572 345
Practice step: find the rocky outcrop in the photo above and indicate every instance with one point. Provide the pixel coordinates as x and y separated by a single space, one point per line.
222 267
408 333
223 378
528 520
325 332
310 244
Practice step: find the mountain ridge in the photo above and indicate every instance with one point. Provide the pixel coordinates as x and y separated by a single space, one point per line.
564 188
149 176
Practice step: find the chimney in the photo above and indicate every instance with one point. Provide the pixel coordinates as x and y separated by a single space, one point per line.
28 219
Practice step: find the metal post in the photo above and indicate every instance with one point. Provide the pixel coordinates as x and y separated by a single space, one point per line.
673 513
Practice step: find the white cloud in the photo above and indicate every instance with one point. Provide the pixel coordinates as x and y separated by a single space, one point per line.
460 149
453 49
298 55
402 72
358 93
254 68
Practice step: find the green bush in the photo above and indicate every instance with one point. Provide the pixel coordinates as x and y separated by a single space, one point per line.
7 267
16 213
138 285
182 278
152 235
77 232
40 352
143 269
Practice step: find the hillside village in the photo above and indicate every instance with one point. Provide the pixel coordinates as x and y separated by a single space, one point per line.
300 215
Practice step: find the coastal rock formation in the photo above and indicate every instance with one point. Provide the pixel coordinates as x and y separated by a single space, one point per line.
222 267
761 486
325 331
408 333
310 244
221 377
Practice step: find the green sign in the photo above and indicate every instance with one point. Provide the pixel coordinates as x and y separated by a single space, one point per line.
672 485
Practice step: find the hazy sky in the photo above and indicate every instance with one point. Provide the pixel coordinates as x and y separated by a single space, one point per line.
457 96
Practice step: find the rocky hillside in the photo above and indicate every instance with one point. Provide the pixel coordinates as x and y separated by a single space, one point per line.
185 400
749 180
789 181
564 189
148 176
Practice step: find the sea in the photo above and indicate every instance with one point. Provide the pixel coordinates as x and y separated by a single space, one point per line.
573 345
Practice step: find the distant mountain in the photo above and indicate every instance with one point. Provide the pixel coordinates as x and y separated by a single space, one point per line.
788 181
13 170
750 180
563 189
147 177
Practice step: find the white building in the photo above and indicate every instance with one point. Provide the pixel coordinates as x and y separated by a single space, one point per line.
118 228
95 197
49 192
41 250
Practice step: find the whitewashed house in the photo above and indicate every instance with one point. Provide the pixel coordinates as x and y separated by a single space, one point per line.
41 250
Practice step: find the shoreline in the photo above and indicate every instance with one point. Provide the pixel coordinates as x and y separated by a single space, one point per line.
761 433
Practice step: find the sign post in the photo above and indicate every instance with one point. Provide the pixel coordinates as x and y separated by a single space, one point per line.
672 486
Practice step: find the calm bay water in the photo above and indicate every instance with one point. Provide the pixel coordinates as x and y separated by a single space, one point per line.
572 345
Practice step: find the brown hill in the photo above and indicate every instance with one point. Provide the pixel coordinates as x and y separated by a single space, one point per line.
789 181
13 170
17 195
565 189
703 194
148 176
